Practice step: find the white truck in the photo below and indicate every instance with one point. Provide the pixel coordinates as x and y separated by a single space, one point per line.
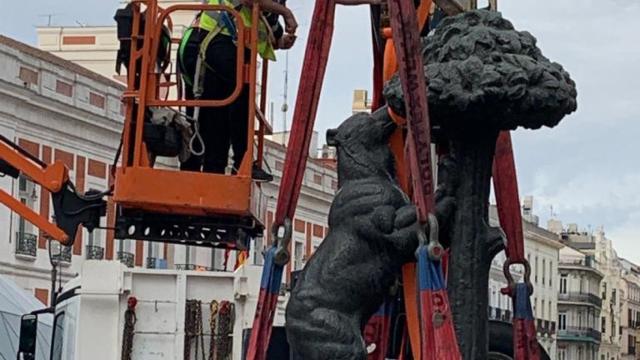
90 321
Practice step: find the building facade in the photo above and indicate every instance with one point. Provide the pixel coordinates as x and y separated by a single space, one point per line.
57 111
579 306
630 324
611 292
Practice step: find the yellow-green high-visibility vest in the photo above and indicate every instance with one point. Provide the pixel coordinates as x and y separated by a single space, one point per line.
213 21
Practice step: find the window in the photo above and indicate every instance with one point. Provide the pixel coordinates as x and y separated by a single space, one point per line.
28 76
58 337
96 100
562 321
537 268
27 195
64 88
544 271
630 317
580 318
562 354
298 255
124 246
258 248
603 328
604 291
153 250
542 309
563 284
551 273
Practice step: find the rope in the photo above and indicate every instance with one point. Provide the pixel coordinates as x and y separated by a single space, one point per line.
197 92
193 333
130 320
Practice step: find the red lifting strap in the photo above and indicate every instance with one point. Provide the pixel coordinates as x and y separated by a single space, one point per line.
313 70
406 38
505 184
437 336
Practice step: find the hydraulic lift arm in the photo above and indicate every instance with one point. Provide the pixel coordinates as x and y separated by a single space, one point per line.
70 208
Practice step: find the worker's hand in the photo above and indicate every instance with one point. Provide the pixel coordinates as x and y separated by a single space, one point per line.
286 41
290 22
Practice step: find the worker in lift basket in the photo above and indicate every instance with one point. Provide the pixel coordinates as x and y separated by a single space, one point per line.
207 60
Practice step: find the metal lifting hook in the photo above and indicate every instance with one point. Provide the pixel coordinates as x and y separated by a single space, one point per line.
511 284
432 242
282 235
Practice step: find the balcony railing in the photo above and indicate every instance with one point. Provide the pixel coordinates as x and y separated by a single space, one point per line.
499 314
579 333
581 297
192 267
545 327
126 258
26 244
95 252
61 253
186 266
152 262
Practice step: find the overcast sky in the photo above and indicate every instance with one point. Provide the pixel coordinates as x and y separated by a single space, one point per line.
587 168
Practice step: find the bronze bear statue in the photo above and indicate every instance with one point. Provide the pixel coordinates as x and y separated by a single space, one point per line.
373 232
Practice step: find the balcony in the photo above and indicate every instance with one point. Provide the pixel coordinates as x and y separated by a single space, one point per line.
194 267
26 245
126 258
499 314
581 298
574 333
60 253
186 266
94 252
545 327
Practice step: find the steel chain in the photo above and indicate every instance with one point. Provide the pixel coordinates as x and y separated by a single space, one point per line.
224 337
214 307
193 330
127 335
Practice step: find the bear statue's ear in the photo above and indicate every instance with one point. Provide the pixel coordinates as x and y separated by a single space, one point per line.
331 137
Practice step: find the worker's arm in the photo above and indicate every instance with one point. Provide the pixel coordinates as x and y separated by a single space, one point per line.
291 25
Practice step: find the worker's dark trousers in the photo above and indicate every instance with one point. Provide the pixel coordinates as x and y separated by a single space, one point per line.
220 127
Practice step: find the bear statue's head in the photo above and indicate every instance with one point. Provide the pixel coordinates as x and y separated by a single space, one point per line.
362 146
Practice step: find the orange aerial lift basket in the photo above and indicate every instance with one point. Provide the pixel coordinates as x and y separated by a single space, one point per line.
161 203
